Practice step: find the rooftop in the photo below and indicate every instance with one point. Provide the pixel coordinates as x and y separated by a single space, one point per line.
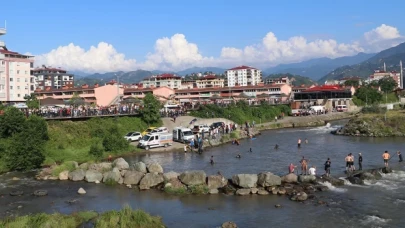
7 52
214 89
324 88
49 69
243 68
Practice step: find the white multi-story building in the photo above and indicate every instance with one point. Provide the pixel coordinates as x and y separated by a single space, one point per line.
55 78
380 74
15 74
243 76
163 80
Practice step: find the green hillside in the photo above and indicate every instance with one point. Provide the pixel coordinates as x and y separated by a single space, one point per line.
390 57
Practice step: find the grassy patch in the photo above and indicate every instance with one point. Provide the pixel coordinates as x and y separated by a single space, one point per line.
128 218
123 218
199 189
176 191
68 165
235 134
110 182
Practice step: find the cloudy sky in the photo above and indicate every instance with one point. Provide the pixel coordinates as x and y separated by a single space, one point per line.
101 36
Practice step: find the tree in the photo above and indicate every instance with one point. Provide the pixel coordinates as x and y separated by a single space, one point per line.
11 122
37 127
368 95
387 84
352 82
96 150
75 100
113 141
32 101
24 152
151 110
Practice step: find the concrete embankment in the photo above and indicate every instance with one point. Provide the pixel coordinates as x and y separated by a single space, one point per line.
287 122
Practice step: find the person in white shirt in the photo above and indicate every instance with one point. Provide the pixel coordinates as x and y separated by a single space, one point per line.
312 171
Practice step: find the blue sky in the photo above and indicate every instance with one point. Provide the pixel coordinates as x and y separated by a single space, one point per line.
133 27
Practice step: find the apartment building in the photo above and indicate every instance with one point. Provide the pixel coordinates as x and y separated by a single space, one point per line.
243 76
15 74
54 78
210 81
164 80
379 74
281 80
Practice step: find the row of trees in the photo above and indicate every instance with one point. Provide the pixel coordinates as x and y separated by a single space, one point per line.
369 93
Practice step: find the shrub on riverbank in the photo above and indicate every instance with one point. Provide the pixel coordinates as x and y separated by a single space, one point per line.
123 218
71 140
242 112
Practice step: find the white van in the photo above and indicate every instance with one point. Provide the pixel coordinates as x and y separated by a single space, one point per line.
317 108
182 134
341 108
153 140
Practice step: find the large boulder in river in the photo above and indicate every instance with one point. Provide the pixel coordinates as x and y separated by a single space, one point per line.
93 176
290 178
113 175
300 196
151 180
217 181
334 181
64 175
243 192
268 179
77 175
245 180
229 225
140 167
133 177
194 177
101 167
386 170
355 180
121 164
155 168
170 175
306 178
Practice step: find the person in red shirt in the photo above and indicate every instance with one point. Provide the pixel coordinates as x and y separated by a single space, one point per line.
291 168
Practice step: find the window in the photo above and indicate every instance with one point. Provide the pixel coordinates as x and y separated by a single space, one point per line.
18 71
26 72
26 80
26 87
18 80
11 79
11 87
18 95
18 87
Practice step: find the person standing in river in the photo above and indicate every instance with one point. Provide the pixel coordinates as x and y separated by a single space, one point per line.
360 162
299 143
304 165
399 156
327 167
386 156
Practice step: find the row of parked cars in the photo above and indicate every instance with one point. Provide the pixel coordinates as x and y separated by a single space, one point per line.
160 137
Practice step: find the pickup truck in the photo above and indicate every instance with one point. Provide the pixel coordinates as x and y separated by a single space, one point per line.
201 128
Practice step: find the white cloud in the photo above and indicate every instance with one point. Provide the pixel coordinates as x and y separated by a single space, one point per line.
102 58
176 52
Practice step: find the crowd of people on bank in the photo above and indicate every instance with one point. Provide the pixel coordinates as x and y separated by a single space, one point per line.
82 111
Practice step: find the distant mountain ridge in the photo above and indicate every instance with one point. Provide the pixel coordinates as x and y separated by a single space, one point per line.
316 68
390 57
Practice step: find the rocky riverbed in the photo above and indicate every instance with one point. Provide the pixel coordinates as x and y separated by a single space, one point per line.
374 125
147 176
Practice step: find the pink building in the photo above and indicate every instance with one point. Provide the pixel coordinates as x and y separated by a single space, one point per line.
100 95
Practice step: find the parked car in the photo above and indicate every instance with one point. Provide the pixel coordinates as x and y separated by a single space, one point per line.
201 128
147 131
216 125
133 136
160 130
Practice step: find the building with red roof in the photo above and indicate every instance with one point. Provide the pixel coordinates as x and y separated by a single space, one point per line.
16 80
55 78
243 76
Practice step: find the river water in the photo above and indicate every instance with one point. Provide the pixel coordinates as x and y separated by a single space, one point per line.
376 204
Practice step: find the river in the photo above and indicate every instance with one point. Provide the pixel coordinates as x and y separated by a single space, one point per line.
378 204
